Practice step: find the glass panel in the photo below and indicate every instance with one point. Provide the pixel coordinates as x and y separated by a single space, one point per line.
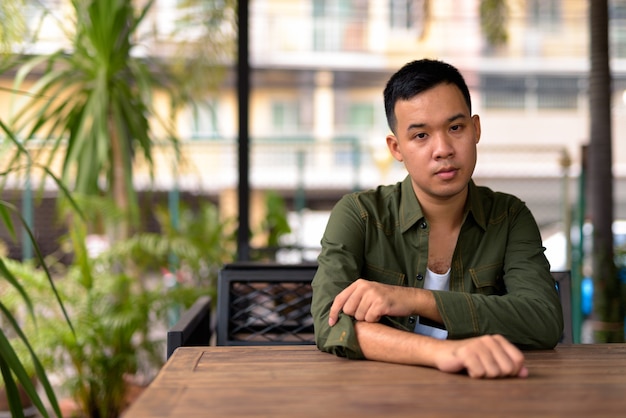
361 116
557 93
339 25
617 28
204 120
286 117
503 92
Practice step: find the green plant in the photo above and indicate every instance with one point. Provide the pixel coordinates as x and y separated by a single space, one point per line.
25 359
12 366
113 314
275 224
193 251
92 105
118 299
94 108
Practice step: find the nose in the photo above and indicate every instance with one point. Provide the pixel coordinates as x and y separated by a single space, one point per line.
442 147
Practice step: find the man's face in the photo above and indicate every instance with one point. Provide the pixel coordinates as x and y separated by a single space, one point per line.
436 139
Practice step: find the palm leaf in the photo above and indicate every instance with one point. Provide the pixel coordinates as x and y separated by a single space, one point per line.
11 364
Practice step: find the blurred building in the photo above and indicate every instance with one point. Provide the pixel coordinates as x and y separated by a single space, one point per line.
317 124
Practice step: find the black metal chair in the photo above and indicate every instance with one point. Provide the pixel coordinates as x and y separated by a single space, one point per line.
193 328
265 304
564 286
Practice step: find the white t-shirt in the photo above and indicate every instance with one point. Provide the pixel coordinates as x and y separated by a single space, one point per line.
434 281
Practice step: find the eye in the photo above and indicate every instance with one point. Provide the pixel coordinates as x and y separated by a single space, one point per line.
455 128
420 135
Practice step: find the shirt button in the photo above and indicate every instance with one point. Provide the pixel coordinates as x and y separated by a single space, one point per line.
423 225
419 277
411 320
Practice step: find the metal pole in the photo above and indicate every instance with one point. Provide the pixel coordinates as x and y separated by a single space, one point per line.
171 274
578 252
243 74
300 199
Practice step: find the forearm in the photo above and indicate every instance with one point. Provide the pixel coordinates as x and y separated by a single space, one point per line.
486 356
383 343
426 305
369 301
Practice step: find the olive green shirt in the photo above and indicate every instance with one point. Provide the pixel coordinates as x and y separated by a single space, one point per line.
500 281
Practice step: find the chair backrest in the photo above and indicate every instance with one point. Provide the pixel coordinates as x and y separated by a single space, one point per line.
564 286
193 328
265 304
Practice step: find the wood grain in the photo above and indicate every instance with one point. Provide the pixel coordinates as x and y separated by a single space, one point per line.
300 381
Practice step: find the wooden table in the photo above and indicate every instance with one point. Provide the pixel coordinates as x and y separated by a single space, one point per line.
299 381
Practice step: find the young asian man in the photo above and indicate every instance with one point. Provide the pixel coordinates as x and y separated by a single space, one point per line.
434 270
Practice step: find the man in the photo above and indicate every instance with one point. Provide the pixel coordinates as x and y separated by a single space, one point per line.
434 271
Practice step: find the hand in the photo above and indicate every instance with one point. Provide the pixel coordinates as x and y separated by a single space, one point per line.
367 301
488 356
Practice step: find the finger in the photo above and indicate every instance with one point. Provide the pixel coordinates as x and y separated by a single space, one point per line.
512 356
352 305
338 304
474 366
360 306
371 310
500 358
523 372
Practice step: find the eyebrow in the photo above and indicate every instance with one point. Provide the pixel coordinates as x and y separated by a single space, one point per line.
450 119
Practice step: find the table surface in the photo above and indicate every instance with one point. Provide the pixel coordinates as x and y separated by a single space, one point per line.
300 381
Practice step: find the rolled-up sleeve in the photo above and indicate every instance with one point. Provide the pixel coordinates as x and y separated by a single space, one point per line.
339 265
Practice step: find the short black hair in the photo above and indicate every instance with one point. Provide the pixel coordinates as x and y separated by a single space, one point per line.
416 77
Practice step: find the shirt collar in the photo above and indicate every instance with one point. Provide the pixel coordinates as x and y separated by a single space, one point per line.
475 207
411 211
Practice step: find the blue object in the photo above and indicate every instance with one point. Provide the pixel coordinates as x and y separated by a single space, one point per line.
586 287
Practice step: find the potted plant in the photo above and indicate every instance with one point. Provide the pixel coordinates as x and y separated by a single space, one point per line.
19 364
113 315
119 303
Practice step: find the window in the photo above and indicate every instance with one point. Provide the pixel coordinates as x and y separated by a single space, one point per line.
407 15
500 92
617 28
339 25
286 117
361 116
557 93
204 120
531 92
544 13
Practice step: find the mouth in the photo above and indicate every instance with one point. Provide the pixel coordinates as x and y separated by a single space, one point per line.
446 173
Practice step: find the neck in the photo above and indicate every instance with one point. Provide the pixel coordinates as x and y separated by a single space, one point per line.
448 211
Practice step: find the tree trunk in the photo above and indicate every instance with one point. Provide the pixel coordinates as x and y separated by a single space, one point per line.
119 229
608 315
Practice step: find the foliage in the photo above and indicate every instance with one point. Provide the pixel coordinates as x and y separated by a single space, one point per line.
493 21
12 26
116 300
275 224
192 252
198 21
11 333
93 106
113 313
119 297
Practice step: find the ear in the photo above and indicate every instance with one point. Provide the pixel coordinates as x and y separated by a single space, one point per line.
476 123
394 147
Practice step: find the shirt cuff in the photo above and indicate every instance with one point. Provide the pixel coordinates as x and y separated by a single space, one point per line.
342 339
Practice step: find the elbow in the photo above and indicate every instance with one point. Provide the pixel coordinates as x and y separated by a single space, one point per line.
547 332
